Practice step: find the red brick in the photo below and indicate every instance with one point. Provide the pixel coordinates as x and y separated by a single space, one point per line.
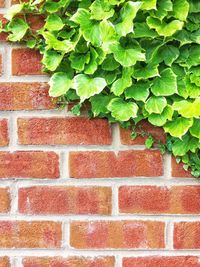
3 35
156 132
25 96
4 138
96 164
65 200
157 261
36 22
29 164
26 62
34 234
1 64
117 234
4 200
69 262
82 131
178 171
155 199
2 3
186 235
4 262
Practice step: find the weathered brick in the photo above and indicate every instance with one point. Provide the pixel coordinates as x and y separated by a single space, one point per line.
3 35
1 65
69 262
96 164
4 137
155 199
4 262
158 261
117 234
156 132
26 62
4 200
82 131
178 171
25 96
65 200
186 235
34 234
29 164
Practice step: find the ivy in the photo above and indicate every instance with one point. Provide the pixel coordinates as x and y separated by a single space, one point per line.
126 60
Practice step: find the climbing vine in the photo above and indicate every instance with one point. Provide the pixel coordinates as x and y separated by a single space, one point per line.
127 60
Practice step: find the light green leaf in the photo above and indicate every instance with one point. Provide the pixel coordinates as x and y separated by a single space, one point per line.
161 119
195 129
86 86
166 84
100 10
54 23
99 103
52 59
155 104
18 28
148 4
181 9
14 10
59 83
178 127
127 14
138 91
108 35
122 83
188 109
127 57
121 110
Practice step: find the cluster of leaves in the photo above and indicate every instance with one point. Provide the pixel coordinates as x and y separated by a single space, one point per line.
130 60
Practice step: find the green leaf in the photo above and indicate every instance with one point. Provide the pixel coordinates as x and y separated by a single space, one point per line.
169 54
108 35
59 83
195 129
148 4
164 29
121 110
99 103
138 91
54 23
18 28
14 10
101 10
52 59
110 63
86 86
161 119
149 142
166 84
178 127
156 104
124 82
127 57
127 14
188 109
181 9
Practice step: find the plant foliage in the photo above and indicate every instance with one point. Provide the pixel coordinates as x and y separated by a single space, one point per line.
131 60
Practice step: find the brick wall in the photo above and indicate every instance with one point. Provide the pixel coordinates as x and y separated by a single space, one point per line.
77 193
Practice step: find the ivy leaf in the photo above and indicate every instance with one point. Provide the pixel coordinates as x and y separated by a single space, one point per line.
195 129
138 91
54 23
110 63
145 72
161 119
52 59
178 127
13 10
108 35
149 4
169 54
101 10
164 29
188 109
99 103
18 28
121 110
127 14
181 9
59 83
124 82
166 84
127 57
156 104
86 86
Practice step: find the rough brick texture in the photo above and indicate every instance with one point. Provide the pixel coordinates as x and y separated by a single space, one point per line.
81 131
69 262
4 136
130 163
35 234
65 200
117 234
36 164
77 192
